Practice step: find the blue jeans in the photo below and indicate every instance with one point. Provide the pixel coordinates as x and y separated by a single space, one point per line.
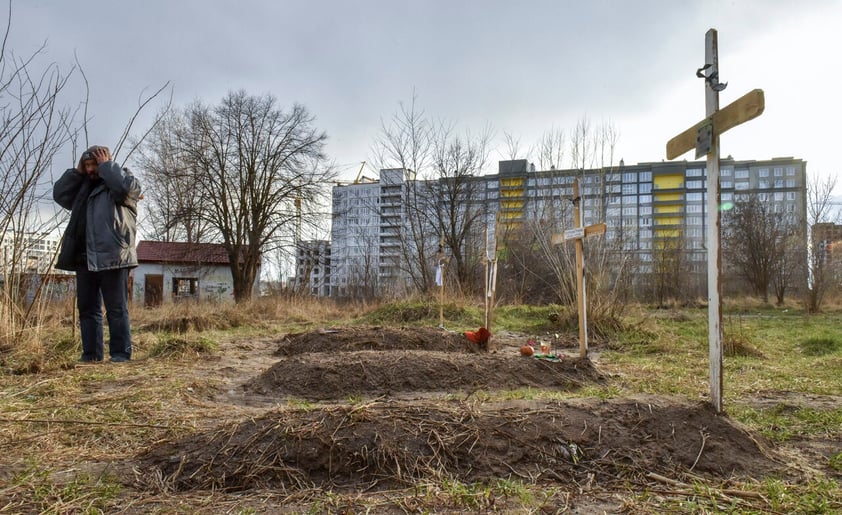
92 289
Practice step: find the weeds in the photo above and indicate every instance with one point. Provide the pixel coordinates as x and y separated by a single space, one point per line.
183 345
820 346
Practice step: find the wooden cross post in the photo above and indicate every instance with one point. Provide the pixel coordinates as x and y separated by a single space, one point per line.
704 136
577 234
440 281
490 278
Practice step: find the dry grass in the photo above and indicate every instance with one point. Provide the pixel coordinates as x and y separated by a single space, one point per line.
260 313
62 424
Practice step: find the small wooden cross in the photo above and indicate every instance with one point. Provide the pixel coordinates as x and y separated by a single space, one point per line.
577 234
705 137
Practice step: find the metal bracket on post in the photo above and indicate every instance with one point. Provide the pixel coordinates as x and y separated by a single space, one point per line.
704 139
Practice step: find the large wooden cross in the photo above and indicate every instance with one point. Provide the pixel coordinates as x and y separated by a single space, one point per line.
577 234
704 136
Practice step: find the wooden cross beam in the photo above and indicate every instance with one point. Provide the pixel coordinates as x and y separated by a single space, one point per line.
705 137
577 234
745 108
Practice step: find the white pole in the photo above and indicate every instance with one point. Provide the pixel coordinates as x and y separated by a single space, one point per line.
714 226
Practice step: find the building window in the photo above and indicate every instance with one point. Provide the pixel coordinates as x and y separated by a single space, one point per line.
645 210
185 287
763 172
727 184
630 189
790 171
695 208
629 177
743 174
694 197
779 183
779 172
763 184
694 172
741 186
645 176
790 195
645 187
790 183
645 199
779 196
695 185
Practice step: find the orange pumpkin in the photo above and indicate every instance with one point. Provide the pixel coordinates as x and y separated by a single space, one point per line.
526 350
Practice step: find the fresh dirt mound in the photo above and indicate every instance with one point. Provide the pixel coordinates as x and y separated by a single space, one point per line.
373 338
321 376
387 445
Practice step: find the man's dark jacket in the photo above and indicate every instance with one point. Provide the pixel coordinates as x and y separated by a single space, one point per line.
110 218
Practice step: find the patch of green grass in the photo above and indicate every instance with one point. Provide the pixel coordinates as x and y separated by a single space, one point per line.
38 490
422 312
835 462
516 490
301 404
170 345
820 346
785 421
816 496
527 319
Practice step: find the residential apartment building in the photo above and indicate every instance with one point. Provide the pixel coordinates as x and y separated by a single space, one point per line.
28 252
647 207
312 267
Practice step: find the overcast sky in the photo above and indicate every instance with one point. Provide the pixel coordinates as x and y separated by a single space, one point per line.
519 66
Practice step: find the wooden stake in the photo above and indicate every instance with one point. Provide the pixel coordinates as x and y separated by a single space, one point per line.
441 285
580 274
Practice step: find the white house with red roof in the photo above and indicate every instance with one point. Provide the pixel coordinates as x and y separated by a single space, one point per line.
176 271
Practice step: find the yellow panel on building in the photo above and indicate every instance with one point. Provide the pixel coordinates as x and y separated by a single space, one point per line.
668 182
670 208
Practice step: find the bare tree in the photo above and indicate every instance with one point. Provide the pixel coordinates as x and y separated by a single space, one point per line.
668 265
35 125
791 265
512 144
549 150
756 243
174 211
582 144
819 209
254 163
406 142
454 209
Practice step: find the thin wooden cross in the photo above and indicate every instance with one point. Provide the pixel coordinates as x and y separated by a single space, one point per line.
705 137
578 234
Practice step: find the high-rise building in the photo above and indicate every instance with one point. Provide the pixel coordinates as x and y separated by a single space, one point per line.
648 208
28 252
313 267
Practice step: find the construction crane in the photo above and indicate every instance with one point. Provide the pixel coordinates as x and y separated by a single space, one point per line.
358 179
360 173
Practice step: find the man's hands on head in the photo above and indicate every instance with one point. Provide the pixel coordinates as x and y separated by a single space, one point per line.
101 154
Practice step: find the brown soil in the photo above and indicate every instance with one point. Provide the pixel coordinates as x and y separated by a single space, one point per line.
395 444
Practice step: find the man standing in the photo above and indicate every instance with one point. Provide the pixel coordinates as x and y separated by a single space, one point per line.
99 245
